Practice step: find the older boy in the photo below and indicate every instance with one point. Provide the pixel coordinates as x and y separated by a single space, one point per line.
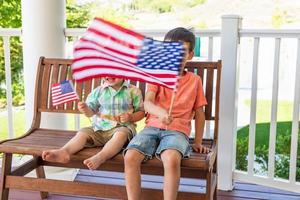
167 137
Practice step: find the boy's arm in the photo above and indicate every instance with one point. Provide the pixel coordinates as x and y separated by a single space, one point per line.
134 117
84 109
153 109
199 128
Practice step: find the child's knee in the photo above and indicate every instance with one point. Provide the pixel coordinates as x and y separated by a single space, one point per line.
132 157
83 134
121 135
171 158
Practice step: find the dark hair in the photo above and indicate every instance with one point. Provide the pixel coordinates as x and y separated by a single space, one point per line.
181 34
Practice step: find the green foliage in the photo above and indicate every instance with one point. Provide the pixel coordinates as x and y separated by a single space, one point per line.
162 6
279 17
283 142
10 14
116 15
241 154
77 16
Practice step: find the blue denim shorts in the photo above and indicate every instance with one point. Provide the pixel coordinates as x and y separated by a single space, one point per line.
153 141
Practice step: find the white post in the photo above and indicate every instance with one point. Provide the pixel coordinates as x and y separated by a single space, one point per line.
228 100
43 23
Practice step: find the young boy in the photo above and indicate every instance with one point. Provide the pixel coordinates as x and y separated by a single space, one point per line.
116 105
167 137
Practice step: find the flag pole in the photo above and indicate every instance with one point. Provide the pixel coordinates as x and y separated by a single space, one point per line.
172 102
175 91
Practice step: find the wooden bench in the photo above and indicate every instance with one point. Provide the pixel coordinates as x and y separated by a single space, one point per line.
199 166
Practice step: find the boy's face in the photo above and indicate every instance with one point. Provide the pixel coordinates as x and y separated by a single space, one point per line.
188 54
114 81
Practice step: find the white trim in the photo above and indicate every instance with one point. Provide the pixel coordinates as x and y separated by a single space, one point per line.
295 125
147 32
273 122
273 33
228 101
6 45
265 181
10 32
251 148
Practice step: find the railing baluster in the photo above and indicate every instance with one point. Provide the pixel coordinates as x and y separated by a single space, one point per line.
252 127
273 123
210 48
295 125
207 133
8 85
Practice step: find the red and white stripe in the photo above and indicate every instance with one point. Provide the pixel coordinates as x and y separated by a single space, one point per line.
111 50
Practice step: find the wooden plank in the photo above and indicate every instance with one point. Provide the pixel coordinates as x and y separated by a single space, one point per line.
63 76
209 93
40 173
83 188
87 89
79 88
6 169
25 168
142 86
71 104
97 82
200 72
53 80
45 85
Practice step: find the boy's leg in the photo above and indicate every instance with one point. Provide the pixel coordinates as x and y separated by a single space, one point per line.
173 146
111 148
133 160
140 147
171 160
63 154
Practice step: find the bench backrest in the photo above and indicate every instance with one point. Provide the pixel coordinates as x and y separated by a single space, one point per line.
51 71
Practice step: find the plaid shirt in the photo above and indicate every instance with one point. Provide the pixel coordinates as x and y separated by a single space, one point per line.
109 103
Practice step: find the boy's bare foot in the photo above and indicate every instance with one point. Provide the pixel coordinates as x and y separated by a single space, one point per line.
93 162
56 155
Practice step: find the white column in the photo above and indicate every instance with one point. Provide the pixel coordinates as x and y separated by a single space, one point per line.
228 100
43 23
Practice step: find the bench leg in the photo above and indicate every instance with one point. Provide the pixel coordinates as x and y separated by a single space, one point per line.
40 173
6 169
215 194
208 186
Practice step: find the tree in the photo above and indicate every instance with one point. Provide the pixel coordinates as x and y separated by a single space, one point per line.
77 16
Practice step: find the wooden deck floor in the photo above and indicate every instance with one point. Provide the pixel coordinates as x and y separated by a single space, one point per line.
242 191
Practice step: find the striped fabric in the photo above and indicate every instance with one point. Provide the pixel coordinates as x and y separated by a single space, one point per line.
111 50
63 92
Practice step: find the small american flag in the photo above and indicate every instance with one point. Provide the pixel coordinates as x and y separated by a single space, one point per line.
63 92
111 50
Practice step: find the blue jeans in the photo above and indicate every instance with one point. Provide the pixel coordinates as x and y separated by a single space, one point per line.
153 141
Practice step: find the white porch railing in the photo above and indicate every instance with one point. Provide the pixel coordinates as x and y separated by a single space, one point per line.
217 44
6 34
270 180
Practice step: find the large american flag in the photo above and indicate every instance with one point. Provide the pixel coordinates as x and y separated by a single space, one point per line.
108 49
63 92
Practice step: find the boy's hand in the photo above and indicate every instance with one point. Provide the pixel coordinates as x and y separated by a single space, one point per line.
199 148
165 118
125 117
83 108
